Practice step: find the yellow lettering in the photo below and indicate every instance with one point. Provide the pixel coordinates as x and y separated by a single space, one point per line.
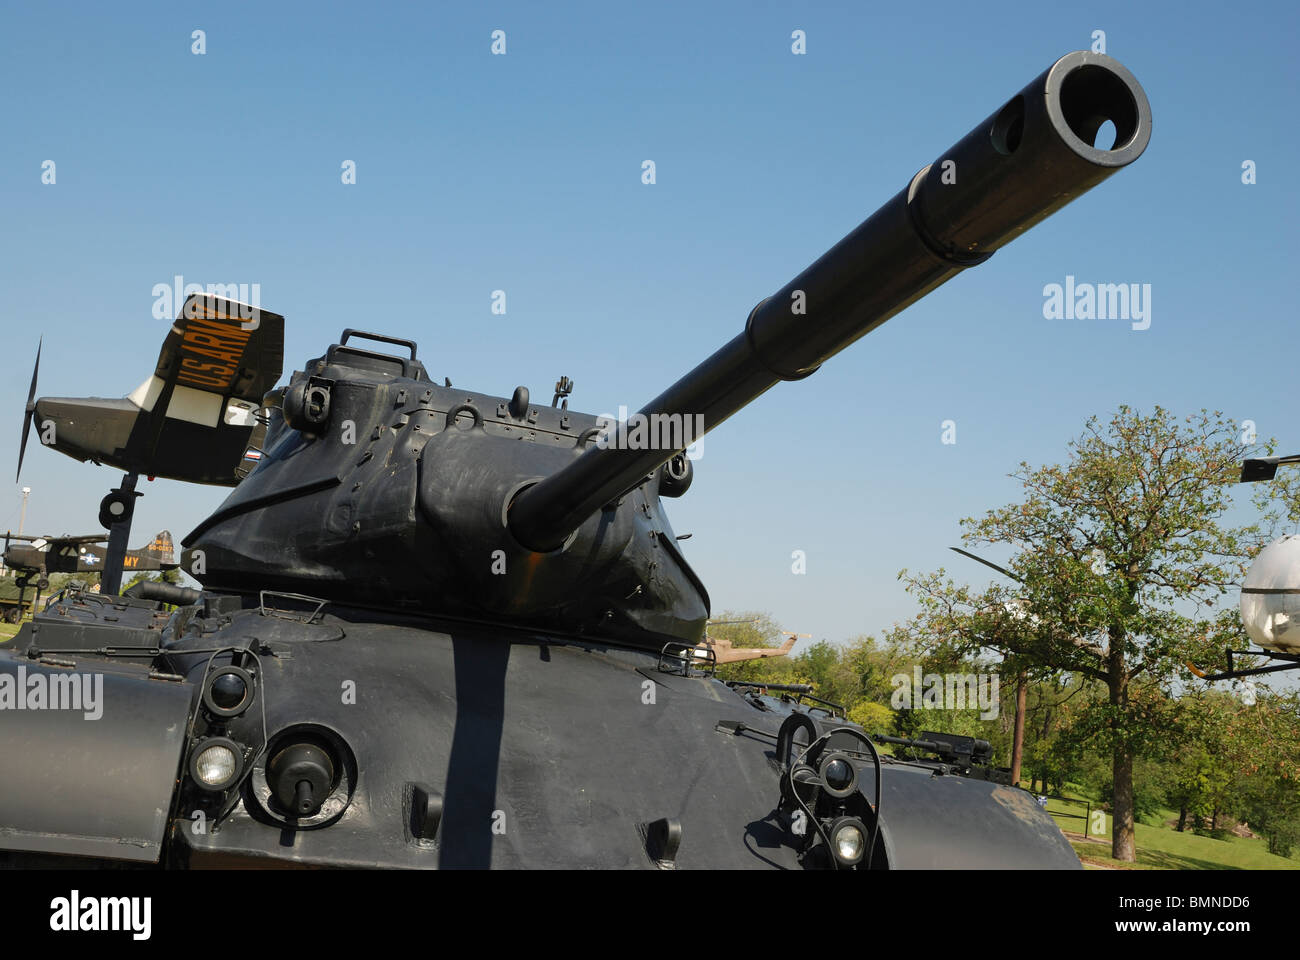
185 377
230 358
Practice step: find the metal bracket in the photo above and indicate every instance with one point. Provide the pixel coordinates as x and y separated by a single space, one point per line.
286 614
1289 661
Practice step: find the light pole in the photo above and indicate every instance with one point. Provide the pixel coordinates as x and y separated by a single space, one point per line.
22 517
22 520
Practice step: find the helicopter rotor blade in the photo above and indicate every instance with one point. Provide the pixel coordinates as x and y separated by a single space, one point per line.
27 411
987 563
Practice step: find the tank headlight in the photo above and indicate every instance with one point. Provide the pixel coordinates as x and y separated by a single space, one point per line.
848 841
217 763
228 692
837 775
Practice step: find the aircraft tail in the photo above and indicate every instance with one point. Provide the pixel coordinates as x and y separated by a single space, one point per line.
160 548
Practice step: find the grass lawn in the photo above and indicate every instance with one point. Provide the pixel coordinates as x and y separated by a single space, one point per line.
1164 848
7 630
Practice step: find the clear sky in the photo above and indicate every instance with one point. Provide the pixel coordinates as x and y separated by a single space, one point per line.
522 173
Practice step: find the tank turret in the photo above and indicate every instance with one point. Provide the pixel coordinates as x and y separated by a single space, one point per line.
380 488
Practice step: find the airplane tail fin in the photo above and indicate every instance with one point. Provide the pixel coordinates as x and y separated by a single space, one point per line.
160 548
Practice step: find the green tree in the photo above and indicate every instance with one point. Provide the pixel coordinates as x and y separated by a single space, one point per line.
746 628
157 576
1266 737
1122 554
751 628
1271 805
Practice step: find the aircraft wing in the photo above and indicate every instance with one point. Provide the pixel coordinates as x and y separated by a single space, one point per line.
86 538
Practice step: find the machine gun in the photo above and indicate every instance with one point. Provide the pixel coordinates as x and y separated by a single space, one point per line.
962 755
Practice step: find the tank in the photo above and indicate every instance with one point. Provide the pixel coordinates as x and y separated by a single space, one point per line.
445 628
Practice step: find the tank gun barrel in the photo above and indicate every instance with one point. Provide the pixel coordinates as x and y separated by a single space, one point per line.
1030 158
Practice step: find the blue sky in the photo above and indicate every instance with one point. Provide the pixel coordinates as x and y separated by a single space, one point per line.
523 173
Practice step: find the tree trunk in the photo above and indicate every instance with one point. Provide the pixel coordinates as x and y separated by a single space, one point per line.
1182 817
1121 842
1018 737
1047 728
1122 845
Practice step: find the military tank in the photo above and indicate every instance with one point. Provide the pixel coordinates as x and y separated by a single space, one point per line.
443 628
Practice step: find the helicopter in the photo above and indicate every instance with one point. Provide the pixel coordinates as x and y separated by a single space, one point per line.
720 650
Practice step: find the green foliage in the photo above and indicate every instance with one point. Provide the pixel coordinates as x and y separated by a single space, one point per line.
1272 808
872 717
1148 795
1120 556
1121 561
746 628
157 576
848 674
1092 773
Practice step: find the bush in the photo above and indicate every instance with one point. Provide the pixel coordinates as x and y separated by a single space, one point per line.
872 717
1283 837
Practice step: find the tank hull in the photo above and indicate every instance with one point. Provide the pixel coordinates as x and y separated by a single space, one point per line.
540 751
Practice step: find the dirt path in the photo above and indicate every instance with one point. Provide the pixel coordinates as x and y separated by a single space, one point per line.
1083 858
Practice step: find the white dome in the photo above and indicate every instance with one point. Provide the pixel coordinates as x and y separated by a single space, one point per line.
1273 619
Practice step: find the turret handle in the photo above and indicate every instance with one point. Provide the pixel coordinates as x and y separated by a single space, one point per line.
384 338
